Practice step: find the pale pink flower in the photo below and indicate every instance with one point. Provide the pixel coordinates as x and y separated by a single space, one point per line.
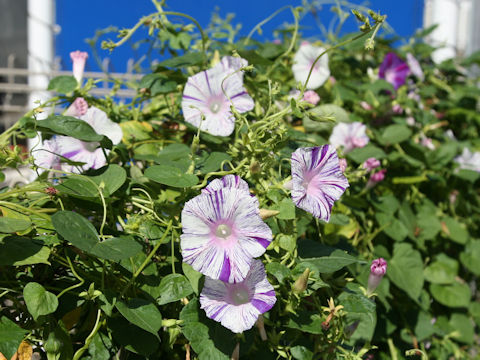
311 97
349 136
79 58
397 109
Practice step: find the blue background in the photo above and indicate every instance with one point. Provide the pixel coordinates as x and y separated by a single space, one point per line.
80 19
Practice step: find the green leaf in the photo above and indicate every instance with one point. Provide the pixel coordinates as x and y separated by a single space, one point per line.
464 330
76 229
141 313
174 287
454 295
359 155
468 175
63 84
17 251
69 126
394 134
386 203
393 227
189 59
38 300
360 308
424 327
209 339
78 187
301 353
212 162
280 271
286 208
455 231
112 176
309 322
442 271
11 335
193 276
329 264
157 84
171 176
470 257
116 248
405 269
81 233
132 337
11 225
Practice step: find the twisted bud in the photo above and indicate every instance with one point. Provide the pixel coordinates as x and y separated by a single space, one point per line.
377 271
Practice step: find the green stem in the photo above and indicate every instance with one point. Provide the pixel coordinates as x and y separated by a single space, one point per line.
22 208
89 339
264 21
147 260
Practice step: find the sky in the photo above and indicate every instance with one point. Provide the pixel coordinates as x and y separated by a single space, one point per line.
78 23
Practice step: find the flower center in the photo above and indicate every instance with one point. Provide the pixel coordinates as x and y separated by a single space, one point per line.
240 296
215 107
223 231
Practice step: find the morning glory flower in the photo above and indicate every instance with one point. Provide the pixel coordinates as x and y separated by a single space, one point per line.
78 108
349 136
203 97
238 305
317 180
46 155
394 70
89 152
377 271
78 58
415 67
228 181
223 232
303 61
469 160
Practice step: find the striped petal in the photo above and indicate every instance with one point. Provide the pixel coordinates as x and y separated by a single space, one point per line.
238 306
317 180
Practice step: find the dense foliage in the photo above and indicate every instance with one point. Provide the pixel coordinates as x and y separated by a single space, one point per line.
90 259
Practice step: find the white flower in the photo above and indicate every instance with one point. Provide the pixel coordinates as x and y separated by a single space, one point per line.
303 61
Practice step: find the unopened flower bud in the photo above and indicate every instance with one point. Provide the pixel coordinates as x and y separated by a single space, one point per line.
78 108
397 109
267 213
79 58
370 164
342 163
301 283
376 178
365 105
236 352
261 328
377 271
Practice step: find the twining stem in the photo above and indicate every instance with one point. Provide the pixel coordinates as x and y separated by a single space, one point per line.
75 274
147 260
89 339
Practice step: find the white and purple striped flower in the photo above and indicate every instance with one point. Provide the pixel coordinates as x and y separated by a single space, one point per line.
223 230
317 180
237 306
89 152
46 155
207 106
349 135
303 61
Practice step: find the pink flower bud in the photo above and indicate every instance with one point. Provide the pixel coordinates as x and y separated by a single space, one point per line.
79 58
371 163
343 164
277 41
261 328
375 178
311 97
411 121
304 43
397 109
332 80
78 108
427 142
365 105
377 271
